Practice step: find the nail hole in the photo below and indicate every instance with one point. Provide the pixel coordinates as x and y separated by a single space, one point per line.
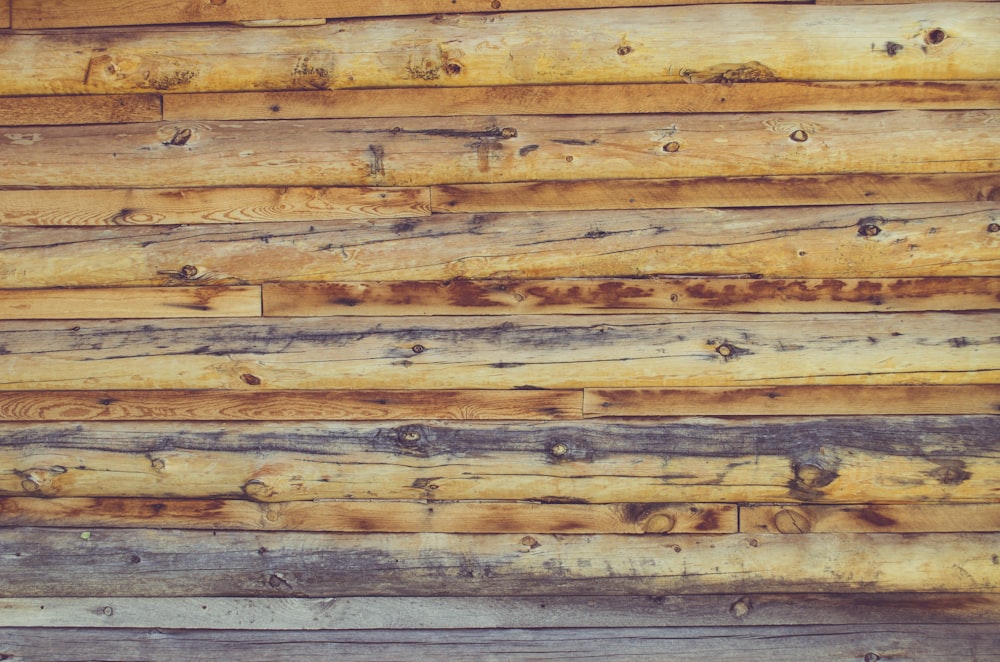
624 50
453 69
869 230
936 36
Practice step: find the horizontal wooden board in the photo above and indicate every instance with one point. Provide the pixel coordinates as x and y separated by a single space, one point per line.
362 517
873 241
909 518
207 205
111 109
588 296
458 150
555 351
132 302
714 43
583 100
849 460
349 405
5 13
792 401
152 563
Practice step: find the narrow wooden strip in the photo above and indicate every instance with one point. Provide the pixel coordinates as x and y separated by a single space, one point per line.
897 459
135 303
909 518
154 563
470 150
794 400
362 516
592 296
111 109
5 13
208 205
583 100
347 405
875 241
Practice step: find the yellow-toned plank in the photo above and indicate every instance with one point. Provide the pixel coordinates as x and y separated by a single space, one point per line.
207 205
353 405
112 109
588 296
140 302
794 400
909 518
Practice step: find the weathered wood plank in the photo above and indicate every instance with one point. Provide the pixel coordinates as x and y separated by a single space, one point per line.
793 401
133 302
459 150
875 241
910 518
704 44
5 13
352 405
152 563
207 205
112 109
901 459
554 351
583 100
590 296
391 517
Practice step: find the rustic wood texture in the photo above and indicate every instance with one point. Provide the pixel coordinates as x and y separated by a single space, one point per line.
119 108
816 459
5 13
909 518
136 302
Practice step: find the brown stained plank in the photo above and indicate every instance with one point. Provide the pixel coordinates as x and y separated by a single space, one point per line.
384 517
873 241
582 100
793 400
471 150
909 518
356 405
153 563
5 13
714 192
207 205
134 303
897 459
591 296
112 109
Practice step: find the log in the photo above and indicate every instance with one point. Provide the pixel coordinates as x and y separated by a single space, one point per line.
110 109
909 518
897 459
153 563
709 43
133 302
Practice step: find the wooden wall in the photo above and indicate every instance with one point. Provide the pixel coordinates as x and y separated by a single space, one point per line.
517 329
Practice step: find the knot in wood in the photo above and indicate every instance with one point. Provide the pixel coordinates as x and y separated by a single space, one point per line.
869 230
672 146
188 271
559 449
799 136
741 608
791 521
993 227
530 542
935 36
659 523
508 132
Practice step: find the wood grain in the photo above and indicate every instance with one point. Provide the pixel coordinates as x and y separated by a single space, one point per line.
899 459
133 303
153 563
909 518
590 296
207 205
111 109
5 13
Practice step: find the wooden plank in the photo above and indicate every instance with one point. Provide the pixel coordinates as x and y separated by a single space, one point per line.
469 150
5 13
583 100
763 42
207 205
352 405
911 518
591 296
500 612
111 109
391 517
135 303
793 400
901 459
154 563
713 192
554 351
877 241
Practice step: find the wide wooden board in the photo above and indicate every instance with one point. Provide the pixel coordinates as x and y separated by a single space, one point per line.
132 302
907 518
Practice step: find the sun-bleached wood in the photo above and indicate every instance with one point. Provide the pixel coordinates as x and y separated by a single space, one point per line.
708 43
385 517
876 241
909 518
589 296
469 150
207 205
793 400
133 302
94 109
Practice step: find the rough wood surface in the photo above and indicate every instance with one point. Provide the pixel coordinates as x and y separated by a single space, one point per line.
587 296
29 111
902 459
876 241
714 43
207 205
134 302
909 518
151 563
583 99
458 150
